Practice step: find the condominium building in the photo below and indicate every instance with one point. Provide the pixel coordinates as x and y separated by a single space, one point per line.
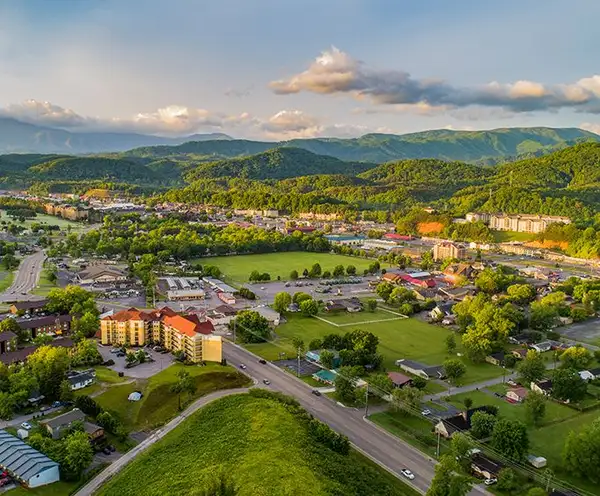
186 333
447 249
518 222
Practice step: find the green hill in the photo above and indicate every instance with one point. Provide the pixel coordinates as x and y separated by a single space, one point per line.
278 163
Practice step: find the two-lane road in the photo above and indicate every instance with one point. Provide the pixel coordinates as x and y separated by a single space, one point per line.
386 450
26 279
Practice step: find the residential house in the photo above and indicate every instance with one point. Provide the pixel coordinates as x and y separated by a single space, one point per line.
34 306
456 294
517 395
496 358
25 464
485 467
101 274
315 356
519 353
543 387
423 294
399 380
457 272
586 375
81 379
520 339
458 423
441 311
20 355
57 426
421 370
186 333
542 347
391 277
268 313
595 372
221 315
351 305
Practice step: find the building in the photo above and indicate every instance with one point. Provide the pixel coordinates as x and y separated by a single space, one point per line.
543 387
517 395
81 379
379 244
26 465
485 467
326 376
351 305
221 315
58 425
496 358
48 324
399 380
398 237
14 355
8 342
219 285
69 212
315 356
268 313
421 370
175 332
185 294
339 239
34 306
524 222
458 423
447 249
456 272
226 298
101 274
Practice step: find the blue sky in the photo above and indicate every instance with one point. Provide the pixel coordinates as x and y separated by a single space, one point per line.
248 68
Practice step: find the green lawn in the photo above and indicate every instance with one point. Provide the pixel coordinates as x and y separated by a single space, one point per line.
506 236
104 374
44 219
159 404
44 285
345 318
6 279
257 442
238 267
404 338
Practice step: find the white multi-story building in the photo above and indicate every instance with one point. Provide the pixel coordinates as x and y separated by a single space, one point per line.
529 223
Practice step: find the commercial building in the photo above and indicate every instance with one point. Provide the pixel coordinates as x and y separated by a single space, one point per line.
69 212
25 464
173 331
98 274
348 240
379 244
447 249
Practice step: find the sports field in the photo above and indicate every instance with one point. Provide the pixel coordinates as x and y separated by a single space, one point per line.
44 219
398 338
237 268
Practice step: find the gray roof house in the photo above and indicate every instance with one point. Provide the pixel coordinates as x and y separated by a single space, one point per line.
421 369
25 464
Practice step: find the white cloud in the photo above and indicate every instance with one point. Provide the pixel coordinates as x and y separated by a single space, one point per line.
593 127
335 72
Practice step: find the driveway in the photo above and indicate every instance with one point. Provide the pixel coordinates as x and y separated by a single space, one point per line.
141 371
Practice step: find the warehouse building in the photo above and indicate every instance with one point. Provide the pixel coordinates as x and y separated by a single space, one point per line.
24 464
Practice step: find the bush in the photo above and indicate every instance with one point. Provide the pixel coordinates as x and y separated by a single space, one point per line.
88 406
510 361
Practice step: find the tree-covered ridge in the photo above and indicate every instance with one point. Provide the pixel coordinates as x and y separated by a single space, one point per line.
81 168
278 163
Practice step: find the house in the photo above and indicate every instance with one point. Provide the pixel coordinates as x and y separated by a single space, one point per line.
454 272
315 356
185 333
421 370
458 423
293 308
34 306
586 375
456 294
520 339
326 376
391 277
543 387
595 372
519 353
440 311
542 347
25 464
399 380
423 294
101 274
351 305
496 358
81 379
58 425
268 313
485 467
517 395
20 355
221 315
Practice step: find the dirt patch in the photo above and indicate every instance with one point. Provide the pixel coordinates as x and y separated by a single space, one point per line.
430 227
548 244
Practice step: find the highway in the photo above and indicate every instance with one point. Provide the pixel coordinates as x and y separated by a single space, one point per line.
26 279
386 450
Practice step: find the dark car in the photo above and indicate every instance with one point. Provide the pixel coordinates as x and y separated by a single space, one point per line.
106 451
111 448
316 392
263 361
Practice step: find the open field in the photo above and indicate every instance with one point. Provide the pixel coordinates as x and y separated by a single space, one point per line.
44 219
6 279
263 447
506 236
403 338
159 404
44 285
237 268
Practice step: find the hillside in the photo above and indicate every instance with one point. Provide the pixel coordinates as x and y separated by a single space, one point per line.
20 137
278 163
466 146
262 445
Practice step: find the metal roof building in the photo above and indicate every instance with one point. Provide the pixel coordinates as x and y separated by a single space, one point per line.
25 464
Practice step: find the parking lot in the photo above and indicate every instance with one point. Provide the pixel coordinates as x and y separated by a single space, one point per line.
141 371
306 368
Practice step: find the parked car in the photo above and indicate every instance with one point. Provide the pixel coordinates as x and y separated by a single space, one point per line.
426 412
26 426
407 473
115 350
490 482
111 448
56 404
45 408
106 451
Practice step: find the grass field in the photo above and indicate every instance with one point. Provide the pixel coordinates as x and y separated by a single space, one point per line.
44 285
237 268
403 338
6 279
44 219
258 443
506 236
159 404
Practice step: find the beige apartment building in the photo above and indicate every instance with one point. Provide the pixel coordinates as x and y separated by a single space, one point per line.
528 223
187 333
447 249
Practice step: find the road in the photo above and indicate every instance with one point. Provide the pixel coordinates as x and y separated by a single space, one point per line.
384 449
92 486
26 279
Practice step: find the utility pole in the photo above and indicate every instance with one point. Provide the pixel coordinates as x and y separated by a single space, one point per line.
298 366
234 323
367 401
437 450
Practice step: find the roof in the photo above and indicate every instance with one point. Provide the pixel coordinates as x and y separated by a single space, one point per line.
90 428
520 392
398 378
65 419
7 336
411 364
181 324
21 459
22 354
485 463
48 320
98 270
28 305
202 326
129 314
83 377
267 312
326 375
226 310
545 385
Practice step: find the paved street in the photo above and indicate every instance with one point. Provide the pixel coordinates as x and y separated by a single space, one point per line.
92 486
26 279
388 451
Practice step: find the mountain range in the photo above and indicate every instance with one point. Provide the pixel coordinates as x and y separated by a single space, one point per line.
485 147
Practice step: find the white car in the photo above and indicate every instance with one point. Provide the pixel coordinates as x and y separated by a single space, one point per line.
26 426
242 366
407 473
426 412
490 482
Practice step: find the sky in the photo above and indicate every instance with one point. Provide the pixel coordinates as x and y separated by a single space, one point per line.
283 69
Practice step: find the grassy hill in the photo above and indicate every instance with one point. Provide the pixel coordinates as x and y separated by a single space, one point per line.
262 445
278 163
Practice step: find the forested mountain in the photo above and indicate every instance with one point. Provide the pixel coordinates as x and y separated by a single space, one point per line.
20 137
278 163
466 146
